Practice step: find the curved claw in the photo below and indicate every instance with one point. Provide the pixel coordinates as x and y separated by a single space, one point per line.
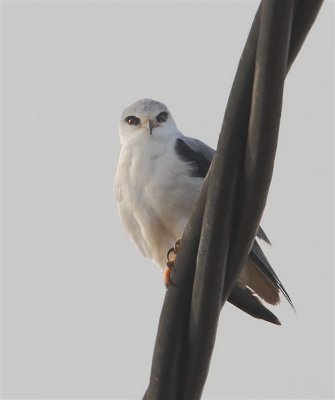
171 258
172 250
166 274
170 265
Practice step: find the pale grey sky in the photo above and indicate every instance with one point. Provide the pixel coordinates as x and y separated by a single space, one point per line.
80 305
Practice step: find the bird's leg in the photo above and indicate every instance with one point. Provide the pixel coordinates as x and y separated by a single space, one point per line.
171 258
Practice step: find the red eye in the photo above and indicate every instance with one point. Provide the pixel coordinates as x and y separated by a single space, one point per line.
162 117
132 120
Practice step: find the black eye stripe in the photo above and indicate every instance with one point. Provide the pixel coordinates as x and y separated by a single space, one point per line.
132 120
162 117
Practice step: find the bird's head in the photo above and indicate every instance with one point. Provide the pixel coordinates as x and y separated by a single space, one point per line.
148 118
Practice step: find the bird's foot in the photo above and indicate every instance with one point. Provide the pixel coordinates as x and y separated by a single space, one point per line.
171 258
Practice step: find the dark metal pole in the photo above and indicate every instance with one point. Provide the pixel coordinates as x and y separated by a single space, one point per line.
220 232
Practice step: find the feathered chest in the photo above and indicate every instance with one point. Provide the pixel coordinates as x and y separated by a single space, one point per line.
152 179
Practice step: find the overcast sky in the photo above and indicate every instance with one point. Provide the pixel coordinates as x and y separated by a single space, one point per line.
80 305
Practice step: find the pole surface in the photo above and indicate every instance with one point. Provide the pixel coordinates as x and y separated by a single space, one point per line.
223 225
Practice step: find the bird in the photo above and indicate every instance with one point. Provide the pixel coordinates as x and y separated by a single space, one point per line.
158 178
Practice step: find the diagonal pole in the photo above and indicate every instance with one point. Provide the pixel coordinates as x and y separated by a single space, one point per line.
222 227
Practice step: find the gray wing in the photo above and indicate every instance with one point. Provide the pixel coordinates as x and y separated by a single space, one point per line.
195 152
245 300
261 234
200 156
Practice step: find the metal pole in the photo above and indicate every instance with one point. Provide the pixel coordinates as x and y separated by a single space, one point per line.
220 232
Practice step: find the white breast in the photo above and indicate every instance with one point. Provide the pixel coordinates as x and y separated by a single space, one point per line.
155 194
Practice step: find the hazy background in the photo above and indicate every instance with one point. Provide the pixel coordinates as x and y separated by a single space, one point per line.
80 305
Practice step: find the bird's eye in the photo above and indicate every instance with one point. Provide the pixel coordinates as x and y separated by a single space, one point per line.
132 120
162 117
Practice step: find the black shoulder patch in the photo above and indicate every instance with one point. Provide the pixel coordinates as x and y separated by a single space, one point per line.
200 163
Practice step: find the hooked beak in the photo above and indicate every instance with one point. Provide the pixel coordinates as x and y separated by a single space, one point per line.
149 126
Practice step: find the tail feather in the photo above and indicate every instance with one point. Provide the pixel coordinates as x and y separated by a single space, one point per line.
259 258
256 280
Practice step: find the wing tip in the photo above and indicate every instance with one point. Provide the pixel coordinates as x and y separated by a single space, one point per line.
247 301
262 235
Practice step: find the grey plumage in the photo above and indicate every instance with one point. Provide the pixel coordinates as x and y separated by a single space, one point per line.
200 156
159 176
